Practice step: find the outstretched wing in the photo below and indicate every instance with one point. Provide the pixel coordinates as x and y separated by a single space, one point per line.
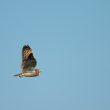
28 60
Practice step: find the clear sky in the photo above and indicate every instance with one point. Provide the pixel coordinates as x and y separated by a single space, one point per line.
71 41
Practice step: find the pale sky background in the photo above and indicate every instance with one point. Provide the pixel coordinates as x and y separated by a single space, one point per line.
71 41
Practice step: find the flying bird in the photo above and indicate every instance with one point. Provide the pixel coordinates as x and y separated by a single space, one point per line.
28 63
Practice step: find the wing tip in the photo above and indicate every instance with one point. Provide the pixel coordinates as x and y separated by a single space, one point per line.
26 47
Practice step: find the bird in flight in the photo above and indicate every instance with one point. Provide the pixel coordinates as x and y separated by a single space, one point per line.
28 63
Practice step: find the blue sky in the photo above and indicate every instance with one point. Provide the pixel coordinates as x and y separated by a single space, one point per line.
71 41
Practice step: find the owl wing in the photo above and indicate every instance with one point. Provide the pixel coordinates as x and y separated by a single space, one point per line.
28 60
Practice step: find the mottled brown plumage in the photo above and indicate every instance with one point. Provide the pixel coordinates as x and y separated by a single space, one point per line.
28 63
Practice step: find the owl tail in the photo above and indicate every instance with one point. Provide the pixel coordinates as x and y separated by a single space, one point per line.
20 75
